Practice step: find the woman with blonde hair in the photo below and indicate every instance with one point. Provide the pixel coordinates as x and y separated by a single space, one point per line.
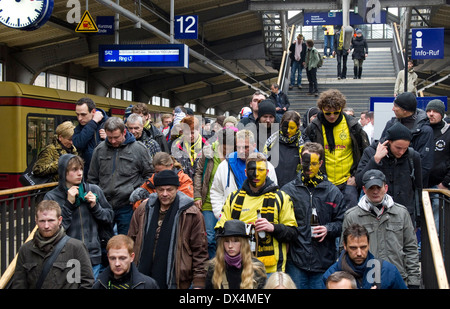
162 161
280 280
234 267
47 161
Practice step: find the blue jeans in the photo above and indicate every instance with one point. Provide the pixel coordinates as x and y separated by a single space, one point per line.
434 198
122 218
304 279
210 223
296 66
96 269
328 41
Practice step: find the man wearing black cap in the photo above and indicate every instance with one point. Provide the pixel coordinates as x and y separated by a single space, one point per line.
267 116
378 212
170 237
440 173
393 156
416 120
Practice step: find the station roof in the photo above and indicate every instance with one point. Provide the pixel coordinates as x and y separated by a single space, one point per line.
231 35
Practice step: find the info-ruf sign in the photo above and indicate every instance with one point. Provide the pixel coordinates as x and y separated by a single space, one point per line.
427 43
186 27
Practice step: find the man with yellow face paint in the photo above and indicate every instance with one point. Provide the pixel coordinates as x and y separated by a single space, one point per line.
283 148
310 255
259 194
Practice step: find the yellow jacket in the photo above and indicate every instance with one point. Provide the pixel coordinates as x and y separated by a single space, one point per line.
329 30
283 217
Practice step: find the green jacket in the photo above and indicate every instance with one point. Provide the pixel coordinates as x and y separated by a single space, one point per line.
392 236
31 258
47 161
312 58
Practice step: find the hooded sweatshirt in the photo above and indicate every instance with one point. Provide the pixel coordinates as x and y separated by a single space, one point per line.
80 220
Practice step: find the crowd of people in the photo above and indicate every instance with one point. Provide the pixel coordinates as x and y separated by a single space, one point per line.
265 200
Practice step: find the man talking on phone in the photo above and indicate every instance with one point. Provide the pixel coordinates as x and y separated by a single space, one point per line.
401 165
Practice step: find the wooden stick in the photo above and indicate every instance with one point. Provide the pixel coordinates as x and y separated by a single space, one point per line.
12 266
436 252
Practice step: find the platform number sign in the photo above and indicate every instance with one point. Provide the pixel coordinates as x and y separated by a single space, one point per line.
186 27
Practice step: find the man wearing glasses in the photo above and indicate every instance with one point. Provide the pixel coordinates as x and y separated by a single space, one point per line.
343 139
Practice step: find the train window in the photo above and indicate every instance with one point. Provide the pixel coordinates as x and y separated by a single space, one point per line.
57 81
40 80
77 85
40 131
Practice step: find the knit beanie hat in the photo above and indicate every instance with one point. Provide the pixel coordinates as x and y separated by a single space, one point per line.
266 107
407 101
398 131
166 178
436 105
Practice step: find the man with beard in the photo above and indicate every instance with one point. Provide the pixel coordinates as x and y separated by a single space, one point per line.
314 250
266 209
369 271
37 251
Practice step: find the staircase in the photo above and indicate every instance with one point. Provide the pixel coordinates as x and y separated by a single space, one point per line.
273 38
378 80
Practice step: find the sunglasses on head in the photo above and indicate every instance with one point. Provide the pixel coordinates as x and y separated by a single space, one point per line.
329 113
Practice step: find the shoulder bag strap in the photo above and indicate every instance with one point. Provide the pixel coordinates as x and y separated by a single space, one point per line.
51 260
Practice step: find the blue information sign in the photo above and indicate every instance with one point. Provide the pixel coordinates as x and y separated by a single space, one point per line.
186 27
335 18
144 55
105 25
427 43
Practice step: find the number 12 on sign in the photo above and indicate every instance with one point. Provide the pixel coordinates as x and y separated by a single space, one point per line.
186 27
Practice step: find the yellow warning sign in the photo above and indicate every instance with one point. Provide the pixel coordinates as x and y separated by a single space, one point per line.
86 24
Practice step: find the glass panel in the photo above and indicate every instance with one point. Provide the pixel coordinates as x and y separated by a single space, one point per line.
62 82
40 80
40 131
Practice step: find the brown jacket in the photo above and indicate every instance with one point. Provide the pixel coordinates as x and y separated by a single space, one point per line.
189 253
203 173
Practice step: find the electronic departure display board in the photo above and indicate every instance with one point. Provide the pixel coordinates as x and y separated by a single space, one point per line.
144 55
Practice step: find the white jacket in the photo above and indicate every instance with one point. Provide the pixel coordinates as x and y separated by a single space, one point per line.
222 186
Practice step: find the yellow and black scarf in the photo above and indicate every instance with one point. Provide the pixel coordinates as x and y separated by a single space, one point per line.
265 252
313 182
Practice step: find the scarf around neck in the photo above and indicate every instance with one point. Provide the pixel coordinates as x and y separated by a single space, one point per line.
377 209
46 244
313 182
329 129
235 261
298 50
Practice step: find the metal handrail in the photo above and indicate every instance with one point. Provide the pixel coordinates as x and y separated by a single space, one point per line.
285 61
436 252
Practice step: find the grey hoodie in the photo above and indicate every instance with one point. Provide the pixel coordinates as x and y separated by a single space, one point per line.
82 222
